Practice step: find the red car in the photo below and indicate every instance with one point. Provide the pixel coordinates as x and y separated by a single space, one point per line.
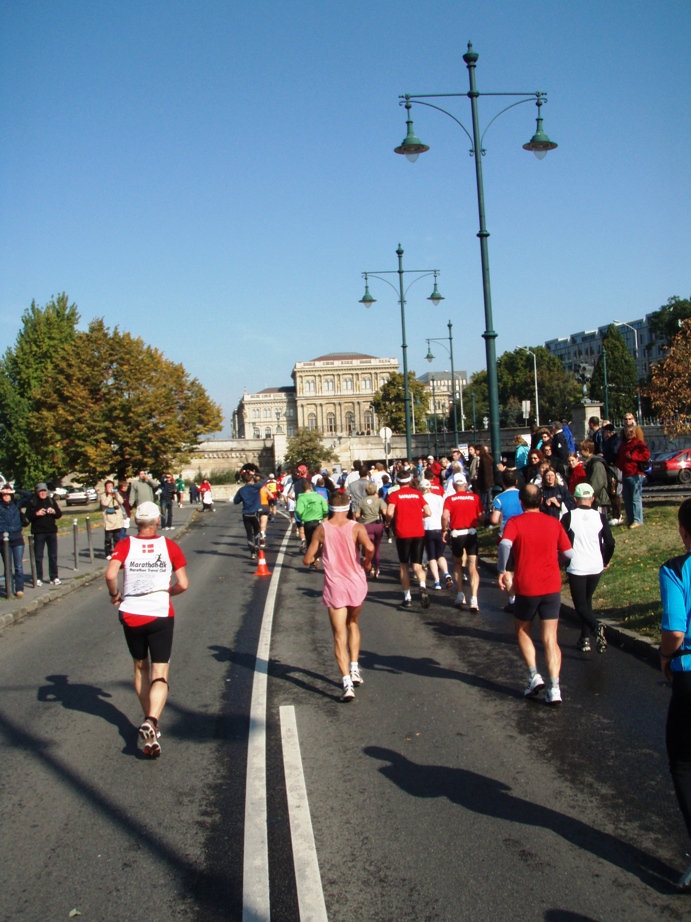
671 466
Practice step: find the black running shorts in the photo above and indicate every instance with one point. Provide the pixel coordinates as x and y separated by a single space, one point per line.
153 639
467 543
410 550
546 606
434 544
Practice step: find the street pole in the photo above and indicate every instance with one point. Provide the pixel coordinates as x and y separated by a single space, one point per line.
453 388
606 385
434 414
537 405
620 323
472 394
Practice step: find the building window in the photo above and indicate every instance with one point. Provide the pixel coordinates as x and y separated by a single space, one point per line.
267 432
328 385
267 413
350 423
382 382
367 383
289 413
256 433
369 422
309 386
312 421
330 423
347 384
255 414
291 432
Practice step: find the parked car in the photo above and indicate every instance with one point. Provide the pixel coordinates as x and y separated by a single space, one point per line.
671 466
80 496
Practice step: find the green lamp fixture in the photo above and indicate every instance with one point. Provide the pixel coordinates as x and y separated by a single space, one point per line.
540 144
411 145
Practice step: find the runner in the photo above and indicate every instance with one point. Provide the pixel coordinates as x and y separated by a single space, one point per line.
407 508
250 497
272 490
434 537
345 584
311 508
148 562
463 512
536 540
505 507
264 500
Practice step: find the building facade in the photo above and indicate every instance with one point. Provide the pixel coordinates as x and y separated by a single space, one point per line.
584 348
439 393
332 393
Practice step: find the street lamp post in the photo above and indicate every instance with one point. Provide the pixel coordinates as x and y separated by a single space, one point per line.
537 405
368 301
434 416
620 323
539 144
430 358
472 394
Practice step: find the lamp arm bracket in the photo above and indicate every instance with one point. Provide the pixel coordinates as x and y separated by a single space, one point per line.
439 109
424 275
520 102
377 275
441 342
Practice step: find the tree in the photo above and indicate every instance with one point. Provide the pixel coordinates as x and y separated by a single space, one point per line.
26 454
389 402
306 447
665 322
622 375
670 385
114 404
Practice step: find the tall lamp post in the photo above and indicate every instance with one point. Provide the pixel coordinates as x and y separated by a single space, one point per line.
537 405
430 358
620 323
539 144
434 416
368 301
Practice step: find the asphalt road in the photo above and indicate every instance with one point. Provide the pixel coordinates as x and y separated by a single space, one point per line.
439 793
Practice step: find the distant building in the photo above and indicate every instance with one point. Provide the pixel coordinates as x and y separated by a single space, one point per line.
438 383
584 348
332 393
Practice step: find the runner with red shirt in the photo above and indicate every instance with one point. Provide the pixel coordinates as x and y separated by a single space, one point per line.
407 508
537 542
463 512
148 562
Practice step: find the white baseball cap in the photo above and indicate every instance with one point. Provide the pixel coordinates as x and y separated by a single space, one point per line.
147 510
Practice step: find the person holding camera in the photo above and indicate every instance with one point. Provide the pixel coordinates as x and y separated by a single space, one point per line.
112 506
43 513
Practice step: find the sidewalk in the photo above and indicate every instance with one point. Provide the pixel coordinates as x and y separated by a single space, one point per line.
14 610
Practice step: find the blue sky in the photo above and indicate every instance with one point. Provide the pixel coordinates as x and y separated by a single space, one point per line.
214 176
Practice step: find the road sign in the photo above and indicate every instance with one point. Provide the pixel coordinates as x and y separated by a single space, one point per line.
385 434
526 408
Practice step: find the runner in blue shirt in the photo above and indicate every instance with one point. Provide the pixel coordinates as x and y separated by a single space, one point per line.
504 507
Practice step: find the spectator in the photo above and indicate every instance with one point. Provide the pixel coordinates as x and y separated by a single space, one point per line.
43 513
632 457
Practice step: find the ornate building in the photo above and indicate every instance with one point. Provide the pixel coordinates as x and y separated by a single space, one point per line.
332 393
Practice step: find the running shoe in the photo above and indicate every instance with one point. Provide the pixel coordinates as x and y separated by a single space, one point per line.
253 555
262 540
460 603
424 597
684 882
39 582
56 582
600 639
348 693
152 749
473 605
436 586
536 685
303 547
355 676
553 696
448 579
583 644
407 603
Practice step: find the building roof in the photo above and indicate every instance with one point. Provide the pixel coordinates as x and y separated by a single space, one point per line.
437 375
340 356
289 389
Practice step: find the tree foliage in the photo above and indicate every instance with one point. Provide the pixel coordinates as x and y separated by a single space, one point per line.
106 403
622 375
389 402
306 447
665 322
670 384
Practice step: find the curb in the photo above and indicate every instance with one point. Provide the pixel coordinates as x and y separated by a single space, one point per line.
39 602
623 638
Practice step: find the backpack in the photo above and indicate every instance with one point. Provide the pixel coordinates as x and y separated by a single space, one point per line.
568 435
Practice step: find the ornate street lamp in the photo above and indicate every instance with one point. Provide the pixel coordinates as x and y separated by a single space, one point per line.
539 144
368 301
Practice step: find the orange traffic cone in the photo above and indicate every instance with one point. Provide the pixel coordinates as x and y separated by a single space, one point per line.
262 569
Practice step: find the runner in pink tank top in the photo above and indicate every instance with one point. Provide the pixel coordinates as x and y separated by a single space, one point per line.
345 584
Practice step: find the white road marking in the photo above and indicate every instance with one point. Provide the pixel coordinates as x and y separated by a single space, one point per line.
307 877
255 874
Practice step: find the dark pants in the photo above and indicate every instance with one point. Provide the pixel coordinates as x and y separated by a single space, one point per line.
310 528
679 742
167 513
16 555
582 592
50 542
375 530
251 523
111 538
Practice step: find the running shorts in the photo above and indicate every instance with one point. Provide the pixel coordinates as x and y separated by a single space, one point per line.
310 528
467 543
410 550
153 639
434 544
546 606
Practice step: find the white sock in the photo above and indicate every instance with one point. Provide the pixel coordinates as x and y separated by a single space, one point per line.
354 667
512 599
406 594
423 585
347 681
473 600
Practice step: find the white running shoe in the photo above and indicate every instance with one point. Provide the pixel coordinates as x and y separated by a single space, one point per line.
355 676
553 696
56 582
536 685
348 693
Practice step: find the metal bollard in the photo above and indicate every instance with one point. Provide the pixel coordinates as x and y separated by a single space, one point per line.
75 536
7 557
32 560
89 539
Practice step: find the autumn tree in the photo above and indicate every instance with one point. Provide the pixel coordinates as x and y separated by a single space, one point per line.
114 404
622 375
389 402
27 454
306 447
669 390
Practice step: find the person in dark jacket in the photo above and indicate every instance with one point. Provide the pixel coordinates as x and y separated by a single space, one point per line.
250 497
43 513
12 521
597 475
554 494
485 477
168 496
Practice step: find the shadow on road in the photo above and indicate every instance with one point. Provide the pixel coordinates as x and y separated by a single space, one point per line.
493 798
